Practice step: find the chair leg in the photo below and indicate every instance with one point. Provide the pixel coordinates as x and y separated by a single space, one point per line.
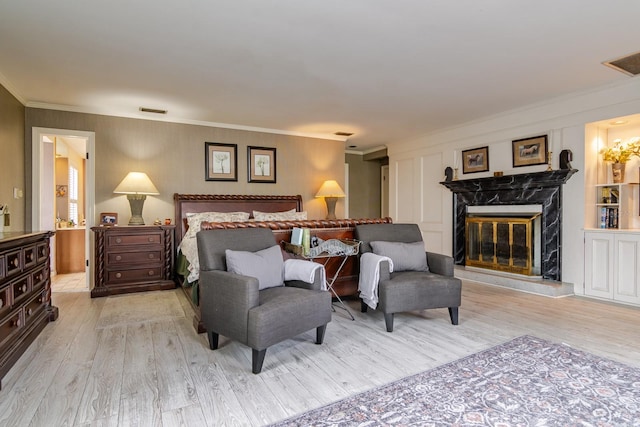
213 340
363 306
320 333
453 313
388 319
257 358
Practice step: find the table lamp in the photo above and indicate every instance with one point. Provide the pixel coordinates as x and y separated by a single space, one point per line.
330 190
136 185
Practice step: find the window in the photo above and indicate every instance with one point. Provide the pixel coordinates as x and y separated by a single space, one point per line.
73 194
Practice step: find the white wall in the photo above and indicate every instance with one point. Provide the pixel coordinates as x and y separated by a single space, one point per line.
416 166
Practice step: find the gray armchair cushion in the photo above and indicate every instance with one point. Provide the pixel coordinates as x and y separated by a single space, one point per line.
405 256
265 265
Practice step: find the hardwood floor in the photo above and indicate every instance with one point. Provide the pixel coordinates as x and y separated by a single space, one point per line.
160 373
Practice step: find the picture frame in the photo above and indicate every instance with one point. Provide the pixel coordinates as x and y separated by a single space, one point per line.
530 151
108 219
475 160
221 162
261 164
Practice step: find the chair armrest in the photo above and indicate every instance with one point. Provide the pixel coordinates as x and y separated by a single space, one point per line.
225 300
316 285
440 264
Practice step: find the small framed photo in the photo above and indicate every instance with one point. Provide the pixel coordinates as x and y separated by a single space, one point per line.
475 160
220 162
530 151
108 219
261 164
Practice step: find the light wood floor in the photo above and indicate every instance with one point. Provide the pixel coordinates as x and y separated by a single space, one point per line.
161 373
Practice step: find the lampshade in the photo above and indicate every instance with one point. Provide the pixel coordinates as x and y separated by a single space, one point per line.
330 188
136 185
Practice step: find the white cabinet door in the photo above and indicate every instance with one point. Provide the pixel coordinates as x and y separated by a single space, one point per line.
627 268
599 254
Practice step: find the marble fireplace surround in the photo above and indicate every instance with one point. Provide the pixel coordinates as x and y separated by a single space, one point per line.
544 188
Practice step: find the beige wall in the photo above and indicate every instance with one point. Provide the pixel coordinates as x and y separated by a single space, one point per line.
173 156
12 173
364 187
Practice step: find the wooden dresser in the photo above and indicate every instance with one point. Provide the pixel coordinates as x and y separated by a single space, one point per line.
25 293
133 259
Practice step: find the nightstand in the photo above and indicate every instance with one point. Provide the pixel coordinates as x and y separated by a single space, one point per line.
133 259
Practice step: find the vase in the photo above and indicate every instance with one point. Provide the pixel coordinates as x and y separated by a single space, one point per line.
617 170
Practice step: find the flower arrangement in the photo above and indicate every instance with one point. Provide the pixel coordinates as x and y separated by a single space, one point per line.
622 152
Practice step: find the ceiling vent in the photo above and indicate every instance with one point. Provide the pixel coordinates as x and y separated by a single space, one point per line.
629 64
152 110
343 133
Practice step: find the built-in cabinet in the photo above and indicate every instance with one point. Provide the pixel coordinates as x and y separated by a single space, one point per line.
612 265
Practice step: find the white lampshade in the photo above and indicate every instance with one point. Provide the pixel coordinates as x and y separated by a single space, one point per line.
136 183
330 188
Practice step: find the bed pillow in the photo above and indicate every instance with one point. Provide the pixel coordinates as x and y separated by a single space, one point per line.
195 219
265 265
405 256
290 215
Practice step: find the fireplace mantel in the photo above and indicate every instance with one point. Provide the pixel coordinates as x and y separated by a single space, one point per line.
511 182
544 188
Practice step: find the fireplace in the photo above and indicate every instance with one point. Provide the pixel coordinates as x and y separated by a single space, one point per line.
539 188
503 238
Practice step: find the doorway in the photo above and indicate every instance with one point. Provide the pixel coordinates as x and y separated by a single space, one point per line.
63 168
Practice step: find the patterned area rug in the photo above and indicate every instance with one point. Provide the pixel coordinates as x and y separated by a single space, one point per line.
138 308
525 382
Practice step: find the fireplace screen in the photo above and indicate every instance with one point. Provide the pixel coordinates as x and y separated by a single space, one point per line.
503 243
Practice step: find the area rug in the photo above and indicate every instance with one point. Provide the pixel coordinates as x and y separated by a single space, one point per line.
137 308
525 382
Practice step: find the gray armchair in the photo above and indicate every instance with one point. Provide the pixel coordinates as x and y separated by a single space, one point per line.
232 305
411 290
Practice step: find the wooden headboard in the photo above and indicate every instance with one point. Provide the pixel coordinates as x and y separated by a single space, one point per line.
194 203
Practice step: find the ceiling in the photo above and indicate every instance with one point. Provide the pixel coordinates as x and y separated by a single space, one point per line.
385 70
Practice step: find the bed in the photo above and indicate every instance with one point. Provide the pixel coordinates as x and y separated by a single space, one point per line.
189 204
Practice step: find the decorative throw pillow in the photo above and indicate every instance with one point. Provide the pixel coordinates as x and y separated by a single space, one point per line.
405 256
290 215
265 265
195 219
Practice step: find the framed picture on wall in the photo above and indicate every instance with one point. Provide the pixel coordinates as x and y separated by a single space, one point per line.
475 160
261 165
108 219
530 151
220 162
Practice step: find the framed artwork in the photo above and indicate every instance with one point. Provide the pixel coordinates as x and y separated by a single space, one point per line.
108 218
220 162
530 151
261 165
475 160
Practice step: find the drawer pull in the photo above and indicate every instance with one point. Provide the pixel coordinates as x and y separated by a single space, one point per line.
118 240
118 275
150 256
119 258
151 239
151 272
15 323
15 262
29 312
23 288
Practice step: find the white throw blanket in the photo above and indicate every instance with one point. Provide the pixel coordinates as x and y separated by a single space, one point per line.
189 248
370 276
298 269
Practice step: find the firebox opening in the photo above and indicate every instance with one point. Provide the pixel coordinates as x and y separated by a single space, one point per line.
504 238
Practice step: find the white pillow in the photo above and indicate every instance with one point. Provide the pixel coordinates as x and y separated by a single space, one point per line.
290 215
265 265
195 219
405 256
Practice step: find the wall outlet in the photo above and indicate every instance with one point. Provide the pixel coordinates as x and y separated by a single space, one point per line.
17 193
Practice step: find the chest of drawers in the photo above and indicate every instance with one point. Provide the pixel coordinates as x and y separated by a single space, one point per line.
133 259
25 293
